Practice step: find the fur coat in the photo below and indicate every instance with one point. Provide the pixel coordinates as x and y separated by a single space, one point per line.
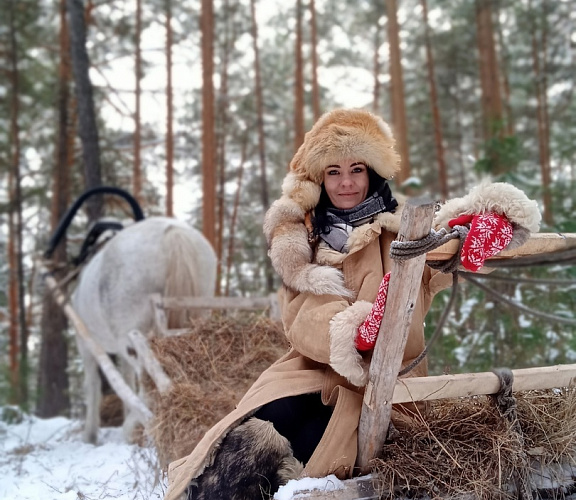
326 295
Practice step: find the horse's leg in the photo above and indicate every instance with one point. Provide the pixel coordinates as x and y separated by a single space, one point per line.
93 394
131 420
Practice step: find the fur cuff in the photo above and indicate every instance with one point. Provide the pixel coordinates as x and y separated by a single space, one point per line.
291 254
344 357
499 197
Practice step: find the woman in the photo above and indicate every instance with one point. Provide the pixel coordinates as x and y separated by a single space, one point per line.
329 237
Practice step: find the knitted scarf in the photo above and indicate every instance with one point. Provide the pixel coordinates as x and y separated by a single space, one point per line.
343 221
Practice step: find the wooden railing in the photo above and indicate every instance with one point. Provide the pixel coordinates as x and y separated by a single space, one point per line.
161 305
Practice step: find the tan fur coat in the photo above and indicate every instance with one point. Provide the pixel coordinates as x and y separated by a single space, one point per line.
327 295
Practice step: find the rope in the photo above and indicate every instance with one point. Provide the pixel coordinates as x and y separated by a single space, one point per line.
531 281
404 250
507 406
438 329
504 398
517 305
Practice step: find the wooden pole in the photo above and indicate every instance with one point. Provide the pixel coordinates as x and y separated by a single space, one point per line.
121 388
475 384
405 282
148 362
538 243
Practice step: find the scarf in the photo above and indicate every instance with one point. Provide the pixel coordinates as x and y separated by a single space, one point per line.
343 221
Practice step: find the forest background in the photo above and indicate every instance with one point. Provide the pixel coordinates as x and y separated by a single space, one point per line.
196 108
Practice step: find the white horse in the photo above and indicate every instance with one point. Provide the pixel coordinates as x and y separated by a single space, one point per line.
112 297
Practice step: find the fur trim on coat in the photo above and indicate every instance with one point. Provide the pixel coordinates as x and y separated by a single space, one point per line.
343 133
344 357
498 197
291 253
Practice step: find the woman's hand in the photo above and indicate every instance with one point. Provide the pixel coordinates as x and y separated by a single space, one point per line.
368 331
489 234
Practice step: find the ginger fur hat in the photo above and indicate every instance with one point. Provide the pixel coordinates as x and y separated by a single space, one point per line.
338 135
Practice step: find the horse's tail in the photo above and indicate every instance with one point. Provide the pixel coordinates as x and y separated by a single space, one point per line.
182 275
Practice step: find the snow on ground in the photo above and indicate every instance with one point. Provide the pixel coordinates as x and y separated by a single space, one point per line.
294 488
47 459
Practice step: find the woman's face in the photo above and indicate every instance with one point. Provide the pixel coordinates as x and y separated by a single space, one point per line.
346 183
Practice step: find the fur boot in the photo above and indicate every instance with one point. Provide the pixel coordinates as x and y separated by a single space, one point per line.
252 462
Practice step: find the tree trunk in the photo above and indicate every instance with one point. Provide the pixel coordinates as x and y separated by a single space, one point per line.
259 111
230 253
18 327
222 134
298 81
489 80
14 201
397 101
376 70
137 165
87 128
316 107
437 122
269 273
507 105
53 385
169 114
539 64
208 154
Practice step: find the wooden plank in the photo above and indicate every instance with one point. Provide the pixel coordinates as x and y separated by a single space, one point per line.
557 480
174 332
474 384
116 380
216 302
405 282
148 361
538 243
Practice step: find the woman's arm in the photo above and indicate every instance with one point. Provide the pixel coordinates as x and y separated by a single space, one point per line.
324 328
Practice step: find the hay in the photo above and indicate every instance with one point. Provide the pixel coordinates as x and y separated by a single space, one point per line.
460 449
464 448
211 368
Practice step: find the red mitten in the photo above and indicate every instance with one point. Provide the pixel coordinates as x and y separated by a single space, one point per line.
489 234
368 331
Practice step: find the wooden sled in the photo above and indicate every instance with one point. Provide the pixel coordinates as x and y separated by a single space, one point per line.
385 388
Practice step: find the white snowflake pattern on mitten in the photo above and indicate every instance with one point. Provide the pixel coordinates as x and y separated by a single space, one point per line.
489 234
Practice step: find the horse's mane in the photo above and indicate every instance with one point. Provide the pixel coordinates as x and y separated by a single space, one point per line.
182 273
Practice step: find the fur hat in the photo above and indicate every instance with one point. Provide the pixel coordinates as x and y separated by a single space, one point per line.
341 134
